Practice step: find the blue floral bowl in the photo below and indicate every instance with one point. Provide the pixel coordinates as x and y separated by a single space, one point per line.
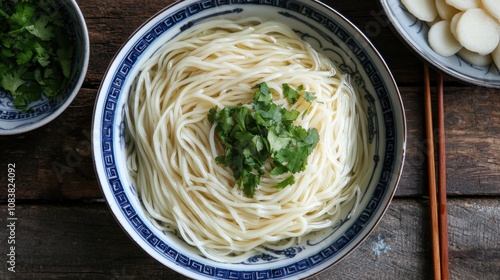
43 111
328 32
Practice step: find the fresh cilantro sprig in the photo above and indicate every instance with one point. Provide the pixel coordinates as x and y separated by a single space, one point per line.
35 50
265 132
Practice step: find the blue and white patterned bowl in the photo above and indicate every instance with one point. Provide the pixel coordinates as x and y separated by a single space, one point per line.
414 33
14 121
329 33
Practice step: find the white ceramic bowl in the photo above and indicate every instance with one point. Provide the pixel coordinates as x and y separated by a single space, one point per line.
414 33
329 33
14 121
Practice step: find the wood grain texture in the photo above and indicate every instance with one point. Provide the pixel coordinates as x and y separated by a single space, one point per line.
83 241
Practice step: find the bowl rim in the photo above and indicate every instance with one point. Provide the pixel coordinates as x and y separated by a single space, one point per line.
82 72
141 243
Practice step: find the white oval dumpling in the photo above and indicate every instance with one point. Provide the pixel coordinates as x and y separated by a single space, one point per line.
463 5
495 55
441 40
453 23
475 58
424 10
477 31
444 10
493 7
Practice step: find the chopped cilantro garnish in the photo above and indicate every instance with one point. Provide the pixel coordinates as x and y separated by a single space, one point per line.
265 132
309 96
35 50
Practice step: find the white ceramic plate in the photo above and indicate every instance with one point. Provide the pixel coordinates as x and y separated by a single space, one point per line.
414 33
329 33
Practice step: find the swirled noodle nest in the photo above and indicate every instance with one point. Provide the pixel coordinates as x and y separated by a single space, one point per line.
172 146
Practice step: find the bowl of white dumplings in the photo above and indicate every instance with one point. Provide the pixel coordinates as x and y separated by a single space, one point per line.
460 38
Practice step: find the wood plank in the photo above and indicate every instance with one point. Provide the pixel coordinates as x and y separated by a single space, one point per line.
472 141
110 23
399 248
472 118
84 241
55 161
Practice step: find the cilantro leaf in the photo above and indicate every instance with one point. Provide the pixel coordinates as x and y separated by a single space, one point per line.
294 158
249 182
311 139
288 181
291 94
26 98
277 141
309 96
41 29
42 55
12 80
65 56
24 57
263 133
36 50
24 14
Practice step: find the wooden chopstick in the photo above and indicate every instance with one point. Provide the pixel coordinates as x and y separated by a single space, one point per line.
436 255
443 216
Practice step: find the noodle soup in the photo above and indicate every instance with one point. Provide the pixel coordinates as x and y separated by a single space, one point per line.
173 147
164 166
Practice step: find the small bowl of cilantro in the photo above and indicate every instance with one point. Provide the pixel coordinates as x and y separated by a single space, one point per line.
44 54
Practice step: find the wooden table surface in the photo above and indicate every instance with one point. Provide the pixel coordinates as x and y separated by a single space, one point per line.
64 229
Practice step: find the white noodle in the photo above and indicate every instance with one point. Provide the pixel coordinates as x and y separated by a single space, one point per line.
172 146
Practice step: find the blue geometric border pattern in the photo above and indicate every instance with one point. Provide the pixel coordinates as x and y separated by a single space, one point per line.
36 111
108 153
